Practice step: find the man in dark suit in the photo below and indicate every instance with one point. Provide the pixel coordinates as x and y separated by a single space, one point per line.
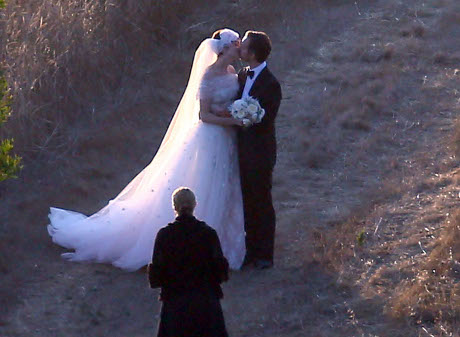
189 266
257 151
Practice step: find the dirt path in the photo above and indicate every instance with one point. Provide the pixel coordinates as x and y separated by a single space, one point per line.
357 135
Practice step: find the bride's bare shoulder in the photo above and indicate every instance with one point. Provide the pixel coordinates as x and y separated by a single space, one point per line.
231 69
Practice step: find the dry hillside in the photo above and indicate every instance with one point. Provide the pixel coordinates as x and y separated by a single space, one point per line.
366 187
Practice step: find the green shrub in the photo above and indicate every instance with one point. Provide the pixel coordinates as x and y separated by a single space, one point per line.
9 165
5 100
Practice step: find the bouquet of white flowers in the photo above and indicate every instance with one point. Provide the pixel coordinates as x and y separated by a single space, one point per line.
247 110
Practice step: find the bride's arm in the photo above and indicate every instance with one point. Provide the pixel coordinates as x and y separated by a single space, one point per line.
207 117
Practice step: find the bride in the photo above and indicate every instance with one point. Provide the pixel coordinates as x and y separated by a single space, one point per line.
198 151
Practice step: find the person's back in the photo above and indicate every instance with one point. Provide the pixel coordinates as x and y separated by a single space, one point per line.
188 265
190 258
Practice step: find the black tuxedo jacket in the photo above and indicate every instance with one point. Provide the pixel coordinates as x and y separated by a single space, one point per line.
257 143
187 258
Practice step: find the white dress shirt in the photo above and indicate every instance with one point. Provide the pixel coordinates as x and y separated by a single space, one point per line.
250 81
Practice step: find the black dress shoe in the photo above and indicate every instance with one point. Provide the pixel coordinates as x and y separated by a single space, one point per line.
263 264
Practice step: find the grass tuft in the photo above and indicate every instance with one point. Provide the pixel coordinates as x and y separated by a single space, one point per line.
433 295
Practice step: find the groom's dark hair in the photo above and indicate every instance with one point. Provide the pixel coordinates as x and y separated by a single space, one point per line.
259 44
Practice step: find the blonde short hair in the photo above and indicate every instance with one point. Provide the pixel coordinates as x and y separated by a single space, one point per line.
183 200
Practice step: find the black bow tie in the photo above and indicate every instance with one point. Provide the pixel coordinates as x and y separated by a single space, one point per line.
251 73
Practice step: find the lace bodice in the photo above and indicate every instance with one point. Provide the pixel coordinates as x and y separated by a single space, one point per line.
221 90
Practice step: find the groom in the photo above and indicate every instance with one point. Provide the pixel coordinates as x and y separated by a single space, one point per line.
257 151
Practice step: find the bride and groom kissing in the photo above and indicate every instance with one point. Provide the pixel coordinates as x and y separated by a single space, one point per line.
228 165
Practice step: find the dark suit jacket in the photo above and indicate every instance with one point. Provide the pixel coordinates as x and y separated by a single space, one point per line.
187 258
257 144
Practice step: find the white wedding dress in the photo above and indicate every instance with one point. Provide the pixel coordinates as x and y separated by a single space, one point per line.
194 154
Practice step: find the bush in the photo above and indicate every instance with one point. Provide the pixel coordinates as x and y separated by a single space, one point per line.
9 165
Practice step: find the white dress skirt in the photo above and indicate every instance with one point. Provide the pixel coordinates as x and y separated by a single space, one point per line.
204 158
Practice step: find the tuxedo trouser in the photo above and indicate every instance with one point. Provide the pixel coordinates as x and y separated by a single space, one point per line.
259 214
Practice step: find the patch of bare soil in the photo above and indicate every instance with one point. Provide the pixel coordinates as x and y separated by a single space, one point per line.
366 189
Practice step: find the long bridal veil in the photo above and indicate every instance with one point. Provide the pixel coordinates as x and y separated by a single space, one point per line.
122 232
185 117
187 111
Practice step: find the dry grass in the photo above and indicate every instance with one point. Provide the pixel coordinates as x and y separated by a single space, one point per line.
350 236
64 59
433 295
418 282
355 91
380 244
456 139
362 82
